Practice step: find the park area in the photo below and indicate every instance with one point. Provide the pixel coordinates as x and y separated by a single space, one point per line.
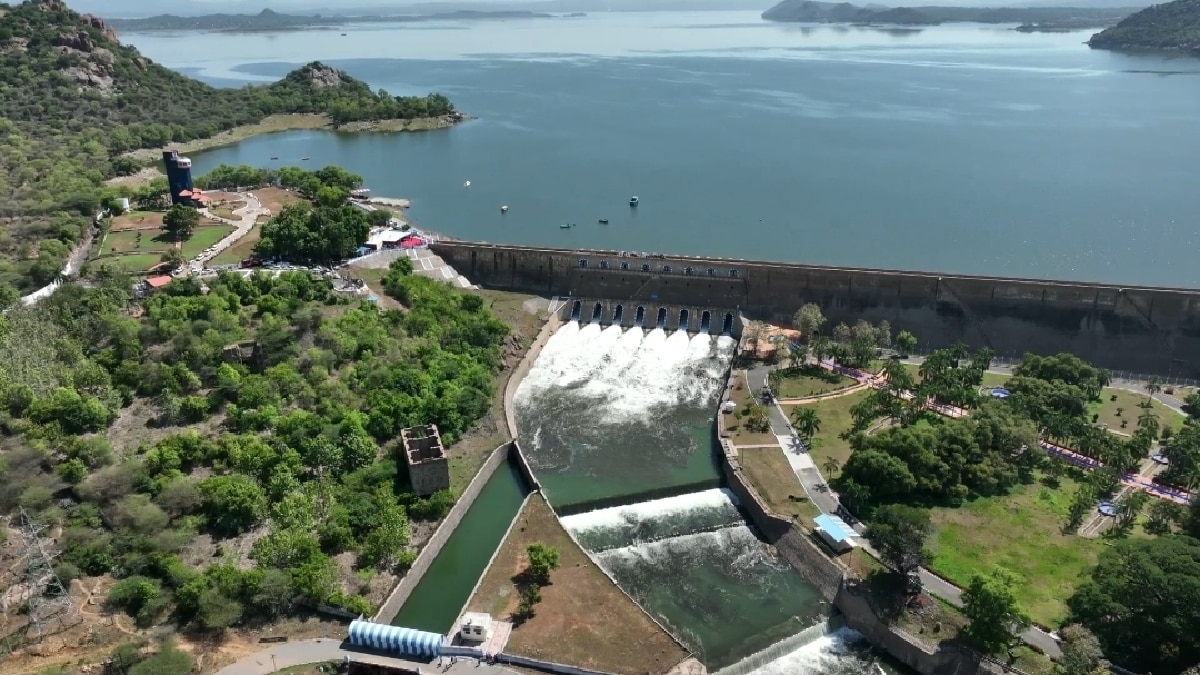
1021 531
583 619
272 199
835 419
138 250
807 380
1117 406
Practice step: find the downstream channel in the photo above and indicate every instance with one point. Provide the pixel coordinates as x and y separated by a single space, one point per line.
617 424
437 599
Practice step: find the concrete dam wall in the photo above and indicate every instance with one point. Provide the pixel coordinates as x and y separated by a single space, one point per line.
1145 330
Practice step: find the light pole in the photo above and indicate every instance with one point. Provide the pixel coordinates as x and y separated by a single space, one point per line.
274 668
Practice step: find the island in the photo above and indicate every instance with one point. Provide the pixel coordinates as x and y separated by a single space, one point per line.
1169 27
269 20
81 108
1030 19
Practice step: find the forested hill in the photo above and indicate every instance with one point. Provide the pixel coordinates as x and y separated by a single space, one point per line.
1172 26
73 99
814 11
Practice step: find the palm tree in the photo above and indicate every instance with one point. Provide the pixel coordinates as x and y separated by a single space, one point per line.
830 467
807 421
1153 386
798 354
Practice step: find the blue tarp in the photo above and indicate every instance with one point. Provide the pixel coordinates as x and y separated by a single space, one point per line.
835 527
395 639
1001 393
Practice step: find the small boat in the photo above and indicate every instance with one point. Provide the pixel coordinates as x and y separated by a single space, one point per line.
274 158
565 226
504 209
303 159
467 184
633 201
343 35
604 221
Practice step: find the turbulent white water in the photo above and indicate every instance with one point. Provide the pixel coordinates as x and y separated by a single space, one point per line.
628 374
842 652
654 520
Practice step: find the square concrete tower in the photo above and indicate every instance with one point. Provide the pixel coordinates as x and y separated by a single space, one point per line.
428 468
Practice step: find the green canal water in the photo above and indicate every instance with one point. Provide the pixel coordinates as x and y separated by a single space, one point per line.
446 586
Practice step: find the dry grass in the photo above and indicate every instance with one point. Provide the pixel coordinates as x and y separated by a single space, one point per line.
269 125
774 480
271 198
138 220
583 619
276 198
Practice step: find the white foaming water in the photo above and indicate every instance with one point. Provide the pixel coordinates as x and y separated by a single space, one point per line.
654 520
714 499
829 654
629 374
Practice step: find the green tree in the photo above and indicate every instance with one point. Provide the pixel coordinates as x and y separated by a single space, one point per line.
1164 517
899 533
542 560
830 467
389 538
379 217
181 221
906 342
1081 652
809 320
1142 602
808 422
168 661
233 504
990 603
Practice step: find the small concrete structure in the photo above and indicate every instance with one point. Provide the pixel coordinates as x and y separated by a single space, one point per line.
428 467
835 533
475 627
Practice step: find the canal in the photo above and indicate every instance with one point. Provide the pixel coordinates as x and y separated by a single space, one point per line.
446 586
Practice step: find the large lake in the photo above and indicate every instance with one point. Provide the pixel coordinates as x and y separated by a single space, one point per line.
960 148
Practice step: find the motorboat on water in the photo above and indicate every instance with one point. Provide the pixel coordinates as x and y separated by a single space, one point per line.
633 201
504 209
467 184
604 221
566 226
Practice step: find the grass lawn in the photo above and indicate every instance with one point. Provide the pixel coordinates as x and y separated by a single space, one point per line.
242 248
130 241
734 422
989 379
774 480
583 619
137 262
809 380
1022 532
203 237
1130 401
835 418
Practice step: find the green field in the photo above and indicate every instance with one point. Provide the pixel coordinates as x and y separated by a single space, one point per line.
1130 401
809 380
777 484
136 262
1020 531
203 237
835 418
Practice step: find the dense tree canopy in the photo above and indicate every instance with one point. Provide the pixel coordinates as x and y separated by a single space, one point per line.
1143 603
297 448
303 234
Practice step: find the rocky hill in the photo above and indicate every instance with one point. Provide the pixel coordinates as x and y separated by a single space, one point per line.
73 99
1172 26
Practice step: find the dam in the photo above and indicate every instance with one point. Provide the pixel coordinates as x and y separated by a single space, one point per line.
1150 331
616 423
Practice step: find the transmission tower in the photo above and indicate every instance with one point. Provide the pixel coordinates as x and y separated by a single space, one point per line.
48 597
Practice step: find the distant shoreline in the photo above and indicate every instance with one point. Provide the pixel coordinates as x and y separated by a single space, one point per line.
299 122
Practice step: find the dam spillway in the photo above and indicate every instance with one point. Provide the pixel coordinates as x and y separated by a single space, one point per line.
617 425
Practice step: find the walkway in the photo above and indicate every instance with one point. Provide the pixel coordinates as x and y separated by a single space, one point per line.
248 216
825 499
300 653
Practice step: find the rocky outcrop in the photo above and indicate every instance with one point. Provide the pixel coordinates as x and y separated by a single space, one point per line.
321 76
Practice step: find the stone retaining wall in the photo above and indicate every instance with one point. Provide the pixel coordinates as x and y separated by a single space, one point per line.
434 546
546 666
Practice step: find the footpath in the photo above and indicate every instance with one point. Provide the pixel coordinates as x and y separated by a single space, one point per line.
247 217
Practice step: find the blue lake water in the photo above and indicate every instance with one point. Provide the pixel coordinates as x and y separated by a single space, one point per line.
960 148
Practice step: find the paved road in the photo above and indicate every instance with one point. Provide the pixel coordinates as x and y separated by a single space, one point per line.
327 649
826 500
248 216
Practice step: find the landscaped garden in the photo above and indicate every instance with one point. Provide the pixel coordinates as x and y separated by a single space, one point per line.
1119 409
835 417
807 380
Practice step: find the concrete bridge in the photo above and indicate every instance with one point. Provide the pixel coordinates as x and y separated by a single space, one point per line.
1139 329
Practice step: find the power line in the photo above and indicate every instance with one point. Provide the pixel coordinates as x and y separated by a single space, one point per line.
48 597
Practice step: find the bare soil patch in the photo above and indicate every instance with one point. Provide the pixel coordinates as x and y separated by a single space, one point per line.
583 619
276 198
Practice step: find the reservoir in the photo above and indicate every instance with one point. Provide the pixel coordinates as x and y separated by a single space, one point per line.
447 584
958 148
